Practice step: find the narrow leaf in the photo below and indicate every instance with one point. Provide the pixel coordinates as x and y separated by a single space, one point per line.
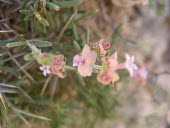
7 85
36 4
39 43
15 44
4 42
41 19
26 11
53 6
29 56
2 100
30 114
10 70
2 90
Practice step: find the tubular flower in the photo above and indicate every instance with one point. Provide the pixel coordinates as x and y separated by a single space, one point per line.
85 61
129 64
110 61
107 76
46 69
57 65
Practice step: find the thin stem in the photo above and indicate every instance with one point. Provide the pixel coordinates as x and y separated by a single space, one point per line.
69 67
97 67
66 25
23 70
46 84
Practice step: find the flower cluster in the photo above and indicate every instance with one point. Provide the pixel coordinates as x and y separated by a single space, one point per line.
107 72
110 65
52 64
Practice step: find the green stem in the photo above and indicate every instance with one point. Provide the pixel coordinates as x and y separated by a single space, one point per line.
69 67
97 67
33 48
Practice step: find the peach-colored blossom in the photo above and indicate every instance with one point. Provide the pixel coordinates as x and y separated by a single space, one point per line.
107 76
85 61
129 64
57 65
110 61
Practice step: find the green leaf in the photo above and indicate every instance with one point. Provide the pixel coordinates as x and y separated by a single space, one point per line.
53 6
44 22
39 43
26 11
10 70
30 114
15 44
36 4
2 90
50 19
29 17
22 118
68 4
38 27
2 100
4 42
29 56
7 85
41 19
76 45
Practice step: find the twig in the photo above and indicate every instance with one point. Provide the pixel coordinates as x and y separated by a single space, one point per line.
45 85
23 70
27 64
66 25
54 86
6 31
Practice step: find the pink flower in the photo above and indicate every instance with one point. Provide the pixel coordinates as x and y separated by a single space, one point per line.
110 61
141 75
85 61
57 65
101 47
77 60
107 76
46 69
129 64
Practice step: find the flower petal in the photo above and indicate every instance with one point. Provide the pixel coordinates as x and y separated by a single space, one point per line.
127 57
101 41
85 51
115 77
135 67
76 60
41 68
85 70
106 45
90 58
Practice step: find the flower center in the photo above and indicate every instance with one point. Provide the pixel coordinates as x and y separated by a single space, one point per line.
57 61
